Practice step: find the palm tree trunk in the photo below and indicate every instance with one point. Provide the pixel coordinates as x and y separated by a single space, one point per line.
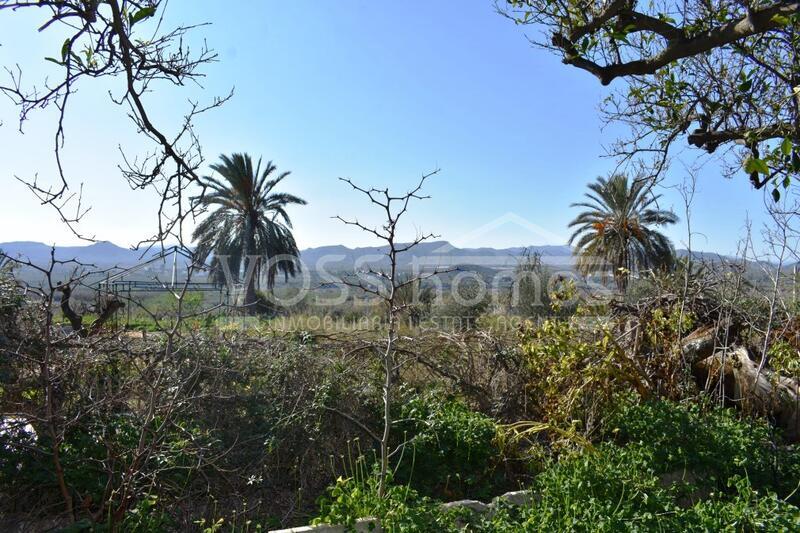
250 269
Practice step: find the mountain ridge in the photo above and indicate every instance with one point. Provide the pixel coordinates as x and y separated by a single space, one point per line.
106 254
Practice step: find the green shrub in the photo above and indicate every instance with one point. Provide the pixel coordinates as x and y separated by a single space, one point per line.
714 444
673 467
569 505
574 374
747 511
402 508
450 451
617 486
605 490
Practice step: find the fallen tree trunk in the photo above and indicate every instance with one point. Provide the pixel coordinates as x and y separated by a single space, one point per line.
699 344
766 392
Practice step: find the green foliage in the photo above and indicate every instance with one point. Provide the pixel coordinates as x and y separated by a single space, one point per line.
451 451
575 375
673 468
252 415
147 516
166 305
747 511
616 493
686 72
616 230
604 491
713 444
784 358
145 12
250 219
402 508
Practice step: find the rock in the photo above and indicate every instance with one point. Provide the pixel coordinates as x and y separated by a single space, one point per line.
474 505
518 497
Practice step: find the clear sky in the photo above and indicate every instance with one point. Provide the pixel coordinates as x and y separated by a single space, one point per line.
378 91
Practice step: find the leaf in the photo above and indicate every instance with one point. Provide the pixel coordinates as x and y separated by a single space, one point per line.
780 20
755 165
77 58
54 60
64 51
142 14
786 146
786 182
745 86
776 195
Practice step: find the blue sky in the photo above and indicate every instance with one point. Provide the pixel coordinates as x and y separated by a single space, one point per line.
377 91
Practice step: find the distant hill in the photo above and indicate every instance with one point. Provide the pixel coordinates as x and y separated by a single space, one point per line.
330 258
438 253
101 254
106 254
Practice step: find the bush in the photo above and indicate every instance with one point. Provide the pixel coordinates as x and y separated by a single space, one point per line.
617 486
249 428
731 476
451 451
402 508
747 511
605 502
575 375
713 444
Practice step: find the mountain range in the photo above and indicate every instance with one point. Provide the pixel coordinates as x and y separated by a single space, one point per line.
330 258
439 253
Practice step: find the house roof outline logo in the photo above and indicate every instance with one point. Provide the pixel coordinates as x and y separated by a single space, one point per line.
539 235
549 238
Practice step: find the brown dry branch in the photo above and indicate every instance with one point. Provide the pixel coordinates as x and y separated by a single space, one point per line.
115 41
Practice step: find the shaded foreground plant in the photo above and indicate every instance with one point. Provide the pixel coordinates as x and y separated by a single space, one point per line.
652 484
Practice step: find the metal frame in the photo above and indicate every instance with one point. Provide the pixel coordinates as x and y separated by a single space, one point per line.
117 284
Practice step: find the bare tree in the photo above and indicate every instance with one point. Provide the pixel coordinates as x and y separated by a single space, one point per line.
782 241
112 41
389 289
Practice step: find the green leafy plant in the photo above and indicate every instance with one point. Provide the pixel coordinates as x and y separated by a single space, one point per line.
450 451
401 508
713 444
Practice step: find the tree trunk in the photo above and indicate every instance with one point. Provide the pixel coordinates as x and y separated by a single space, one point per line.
105 311
765 391
249 262
75 320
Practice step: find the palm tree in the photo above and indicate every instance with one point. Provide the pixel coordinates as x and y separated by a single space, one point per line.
250 220
617 231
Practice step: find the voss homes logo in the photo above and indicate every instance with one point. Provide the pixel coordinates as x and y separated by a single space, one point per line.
451 277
